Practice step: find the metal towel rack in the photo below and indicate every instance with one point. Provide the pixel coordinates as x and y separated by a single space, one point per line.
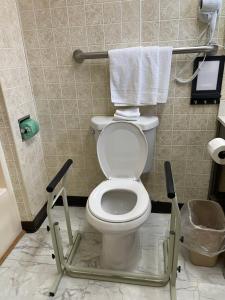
80 56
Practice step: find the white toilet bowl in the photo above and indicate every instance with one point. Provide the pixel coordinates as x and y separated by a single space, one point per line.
117 208
120 205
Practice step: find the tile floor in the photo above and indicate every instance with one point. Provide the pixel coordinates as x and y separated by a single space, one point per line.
29 270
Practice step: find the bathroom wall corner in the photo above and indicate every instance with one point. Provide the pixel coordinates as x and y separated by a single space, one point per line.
25 159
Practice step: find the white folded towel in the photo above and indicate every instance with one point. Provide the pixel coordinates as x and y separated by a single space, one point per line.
129 113
124 75
165 60
121 118
140 75
149 76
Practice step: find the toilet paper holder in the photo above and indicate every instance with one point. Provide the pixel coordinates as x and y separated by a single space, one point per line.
221 154
28 127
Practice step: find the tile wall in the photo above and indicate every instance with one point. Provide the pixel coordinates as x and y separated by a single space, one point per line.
9 149
67 94
25 159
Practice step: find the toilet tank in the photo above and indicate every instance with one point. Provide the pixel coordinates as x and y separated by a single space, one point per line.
148 125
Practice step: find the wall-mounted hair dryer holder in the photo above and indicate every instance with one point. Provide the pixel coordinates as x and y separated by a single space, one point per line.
208 13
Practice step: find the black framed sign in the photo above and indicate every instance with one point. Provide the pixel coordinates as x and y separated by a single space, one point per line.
206 87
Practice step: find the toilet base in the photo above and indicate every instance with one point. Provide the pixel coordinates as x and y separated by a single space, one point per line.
120 252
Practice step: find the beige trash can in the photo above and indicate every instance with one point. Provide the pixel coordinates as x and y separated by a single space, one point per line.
203 228
202 260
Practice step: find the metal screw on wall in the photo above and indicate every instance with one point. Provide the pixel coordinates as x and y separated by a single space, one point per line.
179 269
181 239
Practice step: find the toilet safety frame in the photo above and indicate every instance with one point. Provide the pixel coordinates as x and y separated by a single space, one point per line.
64 259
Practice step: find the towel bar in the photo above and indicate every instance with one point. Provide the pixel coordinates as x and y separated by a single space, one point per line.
80 56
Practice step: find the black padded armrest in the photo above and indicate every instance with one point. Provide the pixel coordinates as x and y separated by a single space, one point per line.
169 180
51 186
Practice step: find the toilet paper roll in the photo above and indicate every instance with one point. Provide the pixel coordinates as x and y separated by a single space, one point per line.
216 149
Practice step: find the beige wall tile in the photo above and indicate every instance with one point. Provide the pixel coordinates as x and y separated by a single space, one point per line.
99 73
113 33
100 91
78 36
95 34
112 12
168 30
59 17
164 137
40 91
83 91
180 137
179 152
28 19
188 8
72 122
150 10
82 73
48 57
37 75
43 18
45 38
94 14
76 2
51 74
188 29
42 107
41 3
130 32
57 3
150 31
198 167
70 107
76 15
68 91
166 122
163 152
61 37
85 107
198 122
25 4
196 137
31 39
66 74
169 9
101 107
53 91
56 107
34 57
130 10
180 122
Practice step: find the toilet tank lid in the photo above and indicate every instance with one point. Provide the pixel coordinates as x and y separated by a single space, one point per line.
144 122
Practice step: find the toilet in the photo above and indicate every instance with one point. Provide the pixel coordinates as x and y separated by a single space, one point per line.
120 205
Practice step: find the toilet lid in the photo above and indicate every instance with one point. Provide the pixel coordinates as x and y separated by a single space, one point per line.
122 150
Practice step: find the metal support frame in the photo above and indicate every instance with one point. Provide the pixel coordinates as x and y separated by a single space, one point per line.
64 261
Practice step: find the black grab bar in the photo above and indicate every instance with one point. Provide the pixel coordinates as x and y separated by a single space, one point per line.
51 186
169 180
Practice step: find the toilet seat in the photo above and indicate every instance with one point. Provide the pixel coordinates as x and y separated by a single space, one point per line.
122 150
141 206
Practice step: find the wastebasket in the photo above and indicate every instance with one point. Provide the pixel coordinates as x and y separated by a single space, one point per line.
203 230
